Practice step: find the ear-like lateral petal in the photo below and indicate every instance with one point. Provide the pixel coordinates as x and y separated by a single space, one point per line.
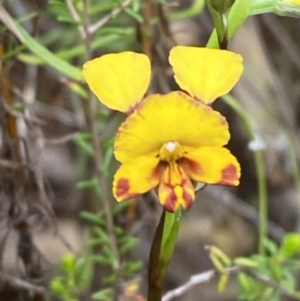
175 189
136 177
119 80
205 73
212 165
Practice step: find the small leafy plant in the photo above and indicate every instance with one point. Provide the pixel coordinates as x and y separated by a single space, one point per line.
278 268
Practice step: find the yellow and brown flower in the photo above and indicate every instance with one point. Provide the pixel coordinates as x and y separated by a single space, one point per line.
169 140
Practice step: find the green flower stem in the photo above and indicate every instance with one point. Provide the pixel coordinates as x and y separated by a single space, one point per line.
260 171
161 252
220 22
236 17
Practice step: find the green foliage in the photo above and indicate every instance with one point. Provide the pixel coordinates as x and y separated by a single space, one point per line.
67 54
76 273
75 277
277 267
221 262
60 10
100 241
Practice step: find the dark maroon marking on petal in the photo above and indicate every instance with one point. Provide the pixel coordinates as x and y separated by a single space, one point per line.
188 199
190 166
170 202
123 188
156 172
229 175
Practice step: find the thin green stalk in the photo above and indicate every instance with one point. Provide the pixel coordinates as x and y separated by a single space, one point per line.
294 149
102 185
161 252
236 17
260 171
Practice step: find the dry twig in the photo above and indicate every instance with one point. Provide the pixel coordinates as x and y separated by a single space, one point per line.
209 275
22 284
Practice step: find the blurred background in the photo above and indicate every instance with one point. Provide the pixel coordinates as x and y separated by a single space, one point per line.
47 159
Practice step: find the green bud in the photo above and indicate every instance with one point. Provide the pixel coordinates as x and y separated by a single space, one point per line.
68 262
221 6
291 245
57 286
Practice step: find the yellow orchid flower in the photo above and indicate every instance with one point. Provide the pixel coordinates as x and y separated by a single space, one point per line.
169 140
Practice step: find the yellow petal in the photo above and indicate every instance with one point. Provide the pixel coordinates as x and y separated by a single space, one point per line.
205 73
119 80
171 117
136 177
175 189
212 165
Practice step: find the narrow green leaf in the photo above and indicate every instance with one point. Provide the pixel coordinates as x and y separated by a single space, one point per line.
118 231
27 17
92 217
108 157
134 14
104 294
110 279
90 183
270 246
102 259
119 207
127 243
51 59
84 271
83 142
132 267
97 241
101 234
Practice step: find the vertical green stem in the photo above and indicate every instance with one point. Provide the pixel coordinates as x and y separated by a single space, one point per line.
161 252
260 172
237 15
262 199
294 149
